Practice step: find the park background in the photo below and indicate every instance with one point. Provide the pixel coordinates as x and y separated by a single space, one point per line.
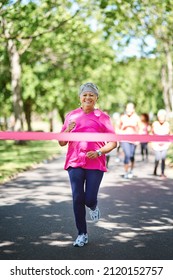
49 48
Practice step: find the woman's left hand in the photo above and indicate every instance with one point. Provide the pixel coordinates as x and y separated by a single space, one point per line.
92 154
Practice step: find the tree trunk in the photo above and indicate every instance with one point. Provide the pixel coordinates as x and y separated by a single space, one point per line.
27 105
50 122
165 88
61 114
167 78
170 77
15 83
53 121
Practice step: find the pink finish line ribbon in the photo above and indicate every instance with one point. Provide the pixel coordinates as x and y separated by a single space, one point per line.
83 136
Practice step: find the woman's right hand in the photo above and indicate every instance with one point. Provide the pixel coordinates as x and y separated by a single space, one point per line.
70 126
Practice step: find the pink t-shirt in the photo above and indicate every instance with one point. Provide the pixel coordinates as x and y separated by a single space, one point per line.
96 121
144 128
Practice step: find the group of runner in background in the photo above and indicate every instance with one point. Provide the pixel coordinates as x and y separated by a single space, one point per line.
131 123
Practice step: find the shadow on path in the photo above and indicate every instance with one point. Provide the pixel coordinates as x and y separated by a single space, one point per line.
36 218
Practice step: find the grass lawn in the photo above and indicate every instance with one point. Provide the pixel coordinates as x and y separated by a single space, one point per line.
16 158
170 156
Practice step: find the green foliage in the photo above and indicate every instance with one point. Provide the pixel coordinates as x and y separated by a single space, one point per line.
58 52
15 158
135 81
5 93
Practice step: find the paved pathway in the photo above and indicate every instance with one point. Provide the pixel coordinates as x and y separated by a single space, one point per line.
36 219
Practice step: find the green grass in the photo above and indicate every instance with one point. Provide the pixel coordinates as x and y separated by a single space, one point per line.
170 155
16 158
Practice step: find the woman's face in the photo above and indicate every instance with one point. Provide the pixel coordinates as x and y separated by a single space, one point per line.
88 99
130 109
162 118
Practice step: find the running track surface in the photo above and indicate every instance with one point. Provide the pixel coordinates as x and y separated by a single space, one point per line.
136 215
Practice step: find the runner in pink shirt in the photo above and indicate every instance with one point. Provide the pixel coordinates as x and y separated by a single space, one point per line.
144 128
86 161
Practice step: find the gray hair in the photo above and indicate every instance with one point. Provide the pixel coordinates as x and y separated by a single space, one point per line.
161 112
89 87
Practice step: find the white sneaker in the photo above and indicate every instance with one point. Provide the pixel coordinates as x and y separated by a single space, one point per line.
95 214
81 240
117 159
130 175
126 176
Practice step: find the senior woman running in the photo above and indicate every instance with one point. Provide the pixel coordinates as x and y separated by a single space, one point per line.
86 161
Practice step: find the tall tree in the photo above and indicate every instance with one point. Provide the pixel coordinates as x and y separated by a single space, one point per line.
144 20
18 33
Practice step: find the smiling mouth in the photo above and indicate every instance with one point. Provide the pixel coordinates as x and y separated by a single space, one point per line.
88 102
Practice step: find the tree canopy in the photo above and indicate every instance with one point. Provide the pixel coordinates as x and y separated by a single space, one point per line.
48 48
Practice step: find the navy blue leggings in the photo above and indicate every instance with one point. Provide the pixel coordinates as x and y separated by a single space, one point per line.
85 184
129 152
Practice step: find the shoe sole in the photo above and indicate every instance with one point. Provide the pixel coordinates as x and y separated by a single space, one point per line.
83 244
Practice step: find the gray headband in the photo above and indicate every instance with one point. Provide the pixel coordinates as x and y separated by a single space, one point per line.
88 87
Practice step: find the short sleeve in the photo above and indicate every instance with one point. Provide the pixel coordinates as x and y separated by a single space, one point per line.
106 123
